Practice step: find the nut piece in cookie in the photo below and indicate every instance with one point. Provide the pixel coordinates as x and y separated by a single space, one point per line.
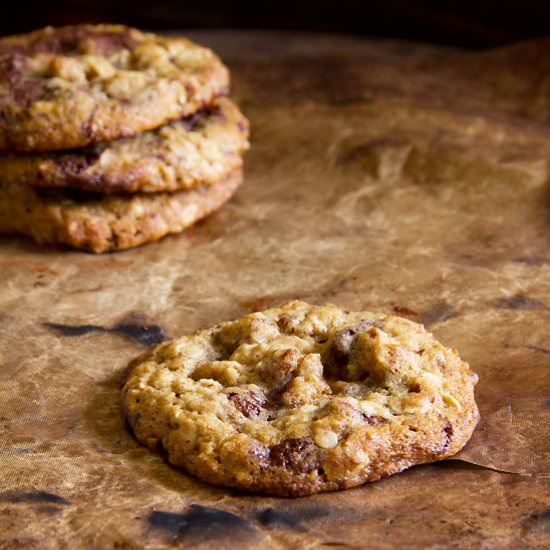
301 399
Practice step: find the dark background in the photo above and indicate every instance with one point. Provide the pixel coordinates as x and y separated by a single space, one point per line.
466 23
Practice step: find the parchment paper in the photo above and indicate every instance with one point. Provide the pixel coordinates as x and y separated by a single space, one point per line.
382 175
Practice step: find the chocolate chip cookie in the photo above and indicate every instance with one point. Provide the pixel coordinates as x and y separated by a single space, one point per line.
68 87
197 150
301 399
102 223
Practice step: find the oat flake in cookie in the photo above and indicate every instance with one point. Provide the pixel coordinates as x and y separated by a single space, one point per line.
68 87
301 399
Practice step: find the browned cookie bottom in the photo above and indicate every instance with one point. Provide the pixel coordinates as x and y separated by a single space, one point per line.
102 223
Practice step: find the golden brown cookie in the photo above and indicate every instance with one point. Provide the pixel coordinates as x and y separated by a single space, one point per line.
68 87
102 223
198 150
301 399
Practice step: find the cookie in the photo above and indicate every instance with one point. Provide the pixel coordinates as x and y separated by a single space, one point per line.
68 87
198 150
102 223
301 399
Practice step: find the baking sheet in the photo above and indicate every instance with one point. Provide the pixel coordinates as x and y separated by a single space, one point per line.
382 175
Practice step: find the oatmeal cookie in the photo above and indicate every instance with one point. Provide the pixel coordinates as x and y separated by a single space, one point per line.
102 223
198 150
301 399
68 87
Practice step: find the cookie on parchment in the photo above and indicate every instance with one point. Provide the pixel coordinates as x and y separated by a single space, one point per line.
67 87
301 399
102 223
198 150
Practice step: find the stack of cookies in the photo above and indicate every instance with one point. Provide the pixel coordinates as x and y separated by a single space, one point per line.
110 137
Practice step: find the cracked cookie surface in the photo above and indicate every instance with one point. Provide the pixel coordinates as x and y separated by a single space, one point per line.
103 223
301 399
68 87
200 149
